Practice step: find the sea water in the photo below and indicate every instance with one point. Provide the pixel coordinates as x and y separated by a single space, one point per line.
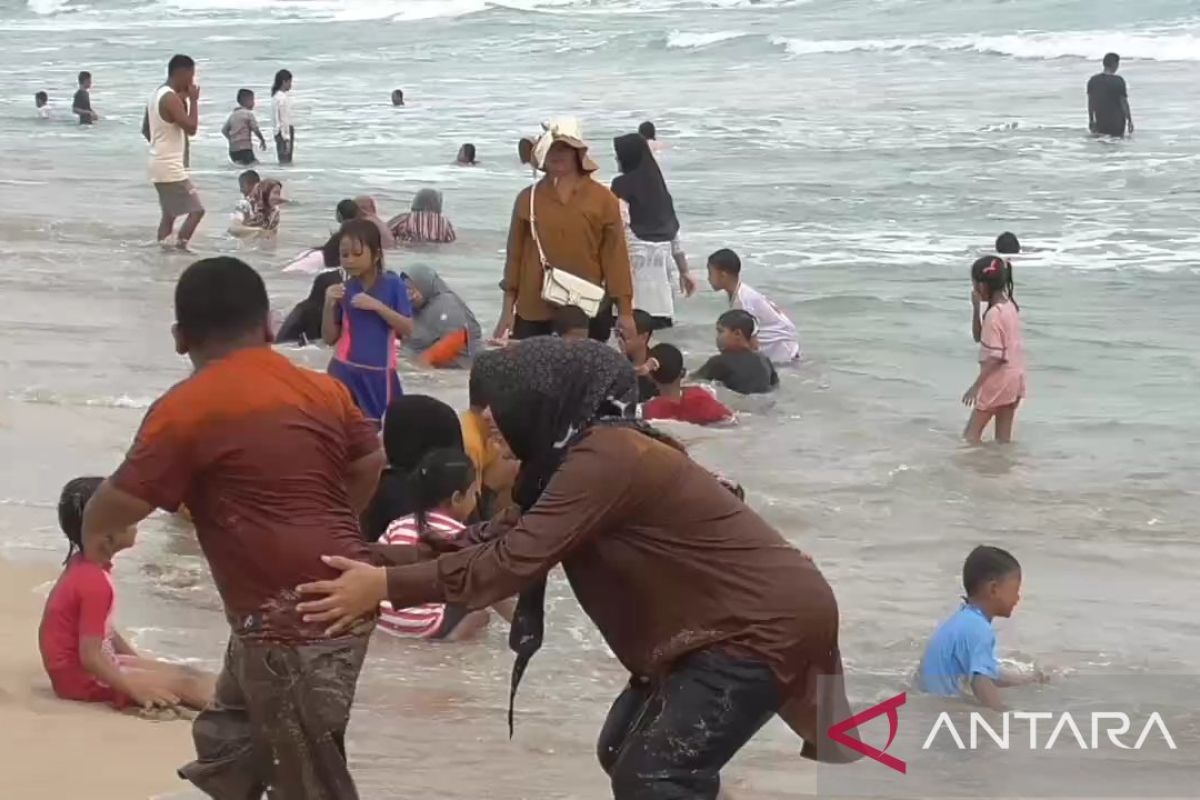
858 154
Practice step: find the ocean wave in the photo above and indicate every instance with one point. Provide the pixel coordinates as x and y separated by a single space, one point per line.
1092 45
692 40
42 397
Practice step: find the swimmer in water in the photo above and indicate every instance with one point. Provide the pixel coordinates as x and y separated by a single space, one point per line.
466 156
81 106
397 98
1108 101
41 102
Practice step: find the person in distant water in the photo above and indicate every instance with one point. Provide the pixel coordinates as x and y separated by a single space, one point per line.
652 230
1007 244
445 332
240 129
673 400
368 210
81 106
264 204
580 231
738 365
637 350
363 319
84 656
424 223
777 337
1108 101
570 322
281 116
525 152
648 132
275 463
244 210
466 156
1000 387
397 98
172 115
41 102
960 658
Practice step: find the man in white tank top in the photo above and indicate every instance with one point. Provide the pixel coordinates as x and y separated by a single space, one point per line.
172 115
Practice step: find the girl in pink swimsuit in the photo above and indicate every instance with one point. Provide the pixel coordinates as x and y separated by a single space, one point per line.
1000 386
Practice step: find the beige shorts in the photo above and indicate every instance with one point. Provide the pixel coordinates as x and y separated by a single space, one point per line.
178 198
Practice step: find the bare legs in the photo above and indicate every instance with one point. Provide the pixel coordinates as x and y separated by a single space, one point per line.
1005 417
193 687
189 227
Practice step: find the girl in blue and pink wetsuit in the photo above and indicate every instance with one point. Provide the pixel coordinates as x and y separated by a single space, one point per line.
363 319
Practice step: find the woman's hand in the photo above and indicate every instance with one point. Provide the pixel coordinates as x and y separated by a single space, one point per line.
503 326
356 594
686 284
335 293
365 302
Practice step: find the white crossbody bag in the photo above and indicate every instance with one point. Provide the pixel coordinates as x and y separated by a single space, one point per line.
559 287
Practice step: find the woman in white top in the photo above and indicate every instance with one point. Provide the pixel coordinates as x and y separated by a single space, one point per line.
652 230
281 113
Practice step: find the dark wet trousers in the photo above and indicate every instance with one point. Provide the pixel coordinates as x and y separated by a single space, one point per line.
285 148
277 723
670 741
600 328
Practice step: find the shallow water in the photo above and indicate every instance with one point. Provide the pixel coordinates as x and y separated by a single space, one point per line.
857 153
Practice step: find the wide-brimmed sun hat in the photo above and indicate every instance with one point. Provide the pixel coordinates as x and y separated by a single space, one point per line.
568 131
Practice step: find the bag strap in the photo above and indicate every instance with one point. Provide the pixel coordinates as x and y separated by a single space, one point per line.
533 228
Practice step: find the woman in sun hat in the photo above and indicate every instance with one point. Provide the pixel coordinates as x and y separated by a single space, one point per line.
580 229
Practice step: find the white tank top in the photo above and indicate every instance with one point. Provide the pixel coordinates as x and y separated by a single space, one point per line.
167 144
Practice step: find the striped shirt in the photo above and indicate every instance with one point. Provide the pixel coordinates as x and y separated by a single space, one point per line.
424 620
422 226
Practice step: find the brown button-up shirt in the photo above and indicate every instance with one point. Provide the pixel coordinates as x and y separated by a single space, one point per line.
583 236
664 560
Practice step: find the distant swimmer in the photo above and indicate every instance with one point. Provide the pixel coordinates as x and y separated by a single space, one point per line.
41 102
397 97
1108 101
281 114
241 128
172 115
525 152
82 105
466 156
649 132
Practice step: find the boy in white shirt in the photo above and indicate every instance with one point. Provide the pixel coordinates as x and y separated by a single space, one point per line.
777 337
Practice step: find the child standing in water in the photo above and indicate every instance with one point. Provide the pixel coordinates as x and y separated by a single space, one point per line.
363 318
1000 386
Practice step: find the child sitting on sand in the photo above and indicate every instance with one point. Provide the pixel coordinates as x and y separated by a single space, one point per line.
693 404
961 654
1000 386
777 337
738 365
85 657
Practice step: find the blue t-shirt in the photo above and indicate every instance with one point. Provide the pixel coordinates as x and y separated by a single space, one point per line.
961 648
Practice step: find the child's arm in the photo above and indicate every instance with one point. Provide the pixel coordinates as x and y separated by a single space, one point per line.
976 317
120 646
331 326
257 131
986 368
987 692
227 128
402 325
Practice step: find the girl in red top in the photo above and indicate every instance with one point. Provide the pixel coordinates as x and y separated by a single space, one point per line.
693 404
85 657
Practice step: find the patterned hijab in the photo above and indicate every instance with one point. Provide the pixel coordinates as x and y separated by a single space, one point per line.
543 394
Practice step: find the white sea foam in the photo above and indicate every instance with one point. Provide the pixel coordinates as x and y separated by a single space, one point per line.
691 39
48 6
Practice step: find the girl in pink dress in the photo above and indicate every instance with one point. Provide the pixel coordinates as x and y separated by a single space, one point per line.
1001 383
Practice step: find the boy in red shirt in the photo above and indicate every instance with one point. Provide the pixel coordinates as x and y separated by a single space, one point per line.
692 404
85 658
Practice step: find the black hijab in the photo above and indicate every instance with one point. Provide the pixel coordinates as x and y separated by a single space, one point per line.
544 393
641 185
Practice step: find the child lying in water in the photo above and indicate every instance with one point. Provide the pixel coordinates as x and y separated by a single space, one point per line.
84 656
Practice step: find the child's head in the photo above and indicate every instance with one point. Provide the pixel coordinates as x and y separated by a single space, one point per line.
992 277
735 331
724 270
272 192
71 503
346 210
570 322
992 580
85 80
466 154
637 347
245 98
647 131
40 99
220 305
670 371
1007 244
361 248
443 480
247 181
397 97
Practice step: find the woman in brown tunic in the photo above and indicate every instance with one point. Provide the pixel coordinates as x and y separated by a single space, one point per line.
720 621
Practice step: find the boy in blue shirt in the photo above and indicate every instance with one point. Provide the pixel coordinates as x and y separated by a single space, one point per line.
962 651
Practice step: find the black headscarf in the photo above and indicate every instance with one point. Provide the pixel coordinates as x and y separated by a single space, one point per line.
544 393
412 426
641 185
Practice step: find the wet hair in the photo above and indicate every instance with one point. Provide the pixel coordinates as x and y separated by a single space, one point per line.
84 77
739 321
41 98
727 261
347 210
647 131
243 95
178 62
643 322
468 151
1007 244
220 299
986 564
437 477
249 178
366 233
281 77
1112 61
397 94
74 498
570 318
995 273
670 363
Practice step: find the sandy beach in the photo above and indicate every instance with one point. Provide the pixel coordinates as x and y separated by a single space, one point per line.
55 748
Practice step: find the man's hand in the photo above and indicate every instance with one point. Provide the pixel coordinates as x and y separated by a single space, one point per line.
1131 127
193 92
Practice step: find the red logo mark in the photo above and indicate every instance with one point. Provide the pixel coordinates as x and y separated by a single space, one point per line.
838 730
